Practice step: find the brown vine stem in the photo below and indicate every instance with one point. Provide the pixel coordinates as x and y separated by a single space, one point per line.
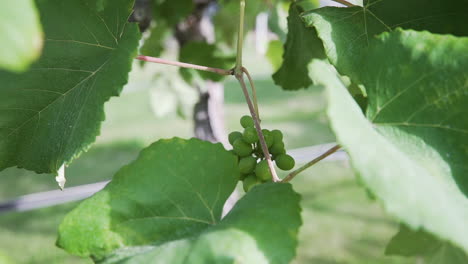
261 138
254 91
311 163
184 65
344 2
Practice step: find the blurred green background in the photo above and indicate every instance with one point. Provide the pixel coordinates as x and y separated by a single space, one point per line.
341 224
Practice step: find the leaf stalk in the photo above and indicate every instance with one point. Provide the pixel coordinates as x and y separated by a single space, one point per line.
184 65
311 163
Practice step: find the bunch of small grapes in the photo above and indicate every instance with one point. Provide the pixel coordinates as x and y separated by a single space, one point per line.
252 163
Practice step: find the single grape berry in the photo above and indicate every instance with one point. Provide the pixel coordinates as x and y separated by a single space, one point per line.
233 136
242 148
243 176
246 121
247 164
250 135
285 162
277 135
277 148
262 171
269 140
249 182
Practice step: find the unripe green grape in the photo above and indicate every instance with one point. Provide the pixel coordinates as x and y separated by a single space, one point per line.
277 148
243 176
277 135
285 162
250 135
242 148
233 136
249 182
262 171
247 164
269 140
246 121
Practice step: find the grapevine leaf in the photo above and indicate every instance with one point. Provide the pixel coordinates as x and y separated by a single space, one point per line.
411 154
261 228
420 243
174 189
442 17
172 12
153 44
20 35
50 113
166 206
302 45
347 32
202 53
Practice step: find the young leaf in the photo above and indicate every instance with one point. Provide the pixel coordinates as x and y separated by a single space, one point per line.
302 45
52 112
166 206
411 153
420 243
20 34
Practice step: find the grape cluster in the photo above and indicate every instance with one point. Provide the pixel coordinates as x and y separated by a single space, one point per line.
252 163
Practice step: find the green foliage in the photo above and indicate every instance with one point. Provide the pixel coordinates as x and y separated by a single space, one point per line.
415 89
275 53
202 53
347 33
302 45
247 234
227 19
175 188
53 111
153 45
172 213
396 101
171 12
420 243
393 157
20 35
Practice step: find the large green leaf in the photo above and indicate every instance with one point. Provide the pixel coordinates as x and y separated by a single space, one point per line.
420 243
20 34
412 152
347 32
53 111
261 228
302 45
166 206
175 188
